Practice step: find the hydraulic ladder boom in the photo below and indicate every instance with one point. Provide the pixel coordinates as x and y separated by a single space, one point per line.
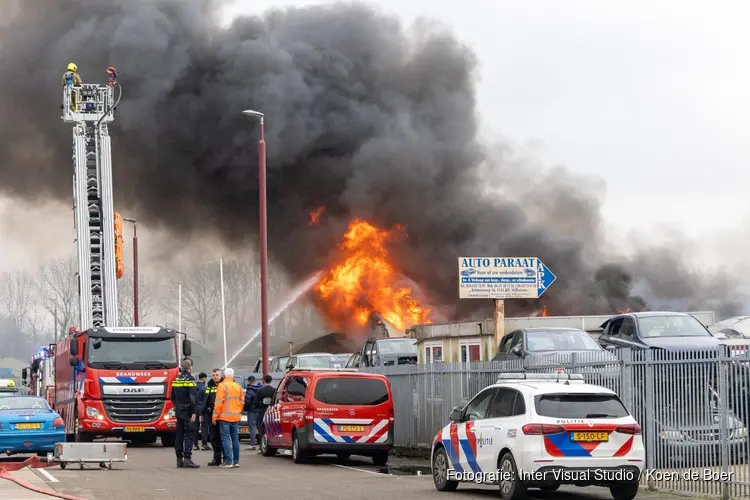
89 108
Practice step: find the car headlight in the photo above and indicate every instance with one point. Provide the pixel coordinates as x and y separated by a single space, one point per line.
170 413
92 412
671 435
243 419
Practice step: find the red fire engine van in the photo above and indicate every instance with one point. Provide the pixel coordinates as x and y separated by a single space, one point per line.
117 382
40 376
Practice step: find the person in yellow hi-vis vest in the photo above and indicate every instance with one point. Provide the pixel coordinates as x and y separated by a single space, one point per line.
70 78
230 399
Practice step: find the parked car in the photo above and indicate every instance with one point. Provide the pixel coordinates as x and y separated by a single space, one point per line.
312 360
29 425
341 412
275 364
558 348
385 352
657 330
533 431
343 359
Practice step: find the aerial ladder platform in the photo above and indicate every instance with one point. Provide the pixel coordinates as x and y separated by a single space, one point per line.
90 109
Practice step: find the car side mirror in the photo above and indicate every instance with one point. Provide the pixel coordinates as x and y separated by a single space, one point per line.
73 360
187 348
456 413
25 374
74 346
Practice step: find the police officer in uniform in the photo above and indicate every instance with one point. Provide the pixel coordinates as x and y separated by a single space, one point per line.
184 392
213 429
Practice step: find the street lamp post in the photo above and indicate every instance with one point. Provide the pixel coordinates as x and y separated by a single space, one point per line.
136 322
223 311
263 239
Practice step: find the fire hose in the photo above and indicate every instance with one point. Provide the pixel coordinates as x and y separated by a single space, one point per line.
4 474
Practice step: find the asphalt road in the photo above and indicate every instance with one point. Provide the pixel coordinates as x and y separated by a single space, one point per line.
150 474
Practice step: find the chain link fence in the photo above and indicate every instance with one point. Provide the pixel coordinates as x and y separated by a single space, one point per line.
693 407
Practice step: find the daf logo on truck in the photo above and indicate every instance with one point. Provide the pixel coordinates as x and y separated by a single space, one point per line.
131 390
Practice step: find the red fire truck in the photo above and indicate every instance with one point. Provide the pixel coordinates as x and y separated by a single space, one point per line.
116 381
40 376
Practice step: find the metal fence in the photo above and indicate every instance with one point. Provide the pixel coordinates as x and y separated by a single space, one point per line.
693 407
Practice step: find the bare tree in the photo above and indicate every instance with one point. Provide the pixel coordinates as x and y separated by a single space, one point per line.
19 326
126 300
201 299
17 298
57 287
241 296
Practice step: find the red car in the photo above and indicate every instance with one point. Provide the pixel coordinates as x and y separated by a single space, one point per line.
330 411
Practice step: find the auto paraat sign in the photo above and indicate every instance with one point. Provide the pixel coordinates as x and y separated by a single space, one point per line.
503 277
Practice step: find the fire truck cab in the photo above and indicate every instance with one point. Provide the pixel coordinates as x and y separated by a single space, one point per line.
116 381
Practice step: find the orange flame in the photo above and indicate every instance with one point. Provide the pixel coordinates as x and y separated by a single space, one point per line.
623 311
544 311
315 216
365 282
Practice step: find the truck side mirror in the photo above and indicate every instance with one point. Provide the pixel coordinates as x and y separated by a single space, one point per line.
25 373
74 346
73 360
187 349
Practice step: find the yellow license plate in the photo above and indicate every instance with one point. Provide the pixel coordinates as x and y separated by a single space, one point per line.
351 428
27 427
244 430
591 437
136 428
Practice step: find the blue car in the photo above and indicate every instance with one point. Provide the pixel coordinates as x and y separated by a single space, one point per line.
29 425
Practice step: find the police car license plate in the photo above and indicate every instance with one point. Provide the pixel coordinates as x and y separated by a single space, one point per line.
351 428
595 437
28 427
244 430
136 428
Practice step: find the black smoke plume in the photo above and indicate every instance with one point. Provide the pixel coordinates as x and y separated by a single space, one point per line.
364 118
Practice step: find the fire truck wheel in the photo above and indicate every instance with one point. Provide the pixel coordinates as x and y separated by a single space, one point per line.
167 440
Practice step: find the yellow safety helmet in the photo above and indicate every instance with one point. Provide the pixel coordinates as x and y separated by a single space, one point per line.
72 67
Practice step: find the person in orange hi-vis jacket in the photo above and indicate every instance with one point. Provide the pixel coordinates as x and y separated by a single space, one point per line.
230 399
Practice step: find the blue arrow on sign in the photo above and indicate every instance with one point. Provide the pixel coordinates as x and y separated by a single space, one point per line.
545 278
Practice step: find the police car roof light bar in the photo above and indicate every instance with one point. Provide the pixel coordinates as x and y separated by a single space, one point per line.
539 376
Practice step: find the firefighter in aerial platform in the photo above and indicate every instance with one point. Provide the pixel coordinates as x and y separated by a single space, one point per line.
184 392
70 78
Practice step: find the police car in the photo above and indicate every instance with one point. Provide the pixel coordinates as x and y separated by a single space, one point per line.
540 431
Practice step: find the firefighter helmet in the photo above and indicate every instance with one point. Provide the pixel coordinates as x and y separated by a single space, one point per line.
72 67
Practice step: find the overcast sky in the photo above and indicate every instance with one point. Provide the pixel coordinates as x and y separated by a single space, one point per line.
653 97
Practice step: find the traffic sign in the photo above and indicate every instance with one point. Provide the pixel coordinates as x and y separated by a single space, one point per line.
503 278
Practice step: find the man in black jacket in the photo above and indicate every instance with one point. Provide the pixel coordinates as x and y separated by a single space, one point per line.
185 409
263 398
213 430
202 428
